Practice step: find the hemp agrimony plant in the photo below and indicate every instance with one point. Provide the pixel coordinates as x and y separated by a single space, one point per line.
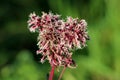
57 38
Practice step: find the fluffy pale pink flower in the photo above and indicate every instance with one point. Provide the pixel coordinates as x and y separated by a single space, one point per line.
57 37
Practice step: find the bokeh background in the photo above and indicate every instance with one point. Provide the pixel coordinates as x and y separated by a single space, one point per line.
100 60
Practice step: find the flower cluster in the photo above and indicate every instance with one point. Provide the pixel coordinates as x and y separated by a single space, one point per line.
57 37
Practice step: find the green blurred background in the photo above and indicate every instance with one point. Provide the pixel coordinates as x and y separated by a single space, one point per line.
100 60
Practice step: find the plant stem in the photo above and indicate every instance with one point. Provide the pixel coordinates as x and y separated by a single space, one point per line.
51 74
62 73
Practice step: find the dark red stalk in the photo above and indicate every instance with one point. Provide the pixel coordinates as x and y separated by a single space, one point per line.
51 74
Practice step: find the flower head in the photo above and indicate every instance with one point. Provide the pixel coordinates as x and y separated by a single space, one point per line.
57 37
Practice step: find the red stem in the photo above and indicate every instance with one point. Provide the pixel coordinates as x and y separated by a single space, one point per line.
51 74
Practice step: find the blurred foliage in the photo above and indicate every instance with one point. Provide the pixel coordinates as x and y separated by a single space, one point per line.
100 60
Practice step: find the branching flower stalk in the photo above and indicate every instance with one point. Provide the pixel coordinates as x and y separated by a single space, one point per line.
57 38
62 73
